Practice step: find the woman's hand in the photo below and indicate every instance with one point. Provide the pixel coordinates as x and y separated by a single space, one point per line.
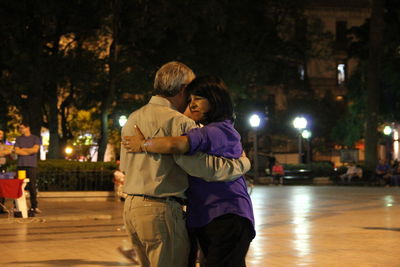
134 143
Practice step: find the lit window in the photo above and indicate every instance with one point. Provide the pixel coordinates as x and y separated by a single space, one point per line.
341 74
301 72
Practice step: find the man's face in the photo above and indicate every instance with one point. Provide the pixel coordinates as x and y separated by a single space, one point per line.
183 98
23 129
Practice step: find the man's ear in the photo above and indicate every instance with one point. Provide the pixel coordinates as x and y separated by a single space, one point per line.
183 91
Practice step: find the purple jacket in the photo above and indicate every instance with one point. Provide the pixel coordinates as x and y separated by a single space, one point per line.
208 200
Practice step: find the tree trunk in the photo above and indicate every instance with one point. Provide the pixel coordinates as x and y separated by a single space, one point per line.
54 146
52 94
373 83
32 110
109 96
65 130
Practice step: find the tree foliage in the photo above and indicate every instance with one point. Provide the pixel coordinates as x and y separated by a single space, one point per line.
388 96
61 56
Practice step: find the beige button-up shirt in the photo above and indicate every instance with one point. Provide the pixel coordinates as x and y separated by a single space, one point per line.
164 175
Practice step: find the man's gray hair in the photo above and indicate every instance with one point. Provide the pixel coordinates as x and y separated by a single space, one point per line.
171 77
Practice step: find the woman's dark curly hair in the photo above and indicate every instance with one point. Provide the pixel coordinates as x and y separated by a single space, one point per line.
216 92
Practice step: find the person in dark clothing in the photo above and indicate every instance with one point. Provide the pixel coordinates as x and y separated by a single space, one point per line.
271 162
27 148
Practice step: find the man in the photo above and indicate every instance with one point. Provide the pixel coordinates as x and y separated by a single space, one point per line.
382 173
156 183
27 147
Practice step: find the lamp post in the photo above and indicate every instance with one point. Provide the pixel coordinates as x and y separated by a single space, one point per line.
306 134
388 132
300 123
122 120
255 121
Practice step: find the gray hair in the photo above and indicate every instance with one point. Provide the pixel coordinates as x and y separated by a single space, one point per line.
171 77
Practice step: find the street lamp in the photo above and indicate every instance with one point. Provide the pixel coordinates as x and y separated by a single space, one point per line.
68 150
306 134
122 120
300 123
255 122
388 132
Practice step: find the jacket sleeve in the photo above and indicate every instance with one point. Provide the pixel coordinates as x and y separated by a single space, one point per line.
212 168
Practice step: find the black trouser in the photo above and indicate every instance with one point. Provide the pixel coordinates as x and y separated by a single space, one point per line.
31 175
225 240
2 199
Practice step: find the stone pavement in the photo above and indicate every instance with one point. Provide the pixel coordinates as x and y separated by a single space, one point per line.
296 226
73 210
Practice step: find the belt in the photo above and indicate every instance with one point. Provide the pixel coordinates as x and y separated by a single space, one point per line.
173 198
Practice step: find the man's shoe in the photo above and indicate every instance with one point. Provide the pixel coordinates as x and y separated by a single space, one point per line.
17 214
129 254
36 210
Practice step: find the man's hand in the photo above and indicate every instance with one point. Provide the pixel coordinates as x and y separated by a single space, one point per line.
27 151
134 143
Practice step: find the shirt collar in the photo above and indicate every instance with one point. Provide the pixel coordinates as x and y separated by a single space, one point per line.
162 101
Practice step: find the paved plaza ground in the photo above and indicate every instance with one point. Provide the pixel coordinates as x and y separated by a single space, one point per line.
296 226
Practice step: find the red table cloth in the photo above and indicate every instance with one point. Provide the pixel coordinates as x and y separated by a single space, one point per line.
11 188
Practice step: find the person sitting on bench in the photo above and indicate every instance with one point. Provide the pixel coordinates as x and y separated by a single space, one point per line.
278 172
352 172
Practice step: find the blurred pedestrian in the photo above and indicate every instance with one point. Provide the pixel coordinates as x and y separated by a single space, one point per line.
119 180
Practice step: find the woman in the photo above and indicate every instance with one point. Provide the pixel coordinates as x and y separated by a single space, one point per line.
5 150
219 214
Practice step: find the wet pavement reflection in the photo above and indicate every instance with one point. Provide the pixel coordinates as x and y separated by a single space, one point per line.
296 226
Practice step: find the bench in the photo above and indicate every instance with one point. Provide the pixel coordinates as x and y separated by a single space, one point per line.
301 176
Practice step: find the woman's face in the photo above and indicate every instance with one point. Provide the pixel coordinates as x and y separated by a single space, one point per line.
197 108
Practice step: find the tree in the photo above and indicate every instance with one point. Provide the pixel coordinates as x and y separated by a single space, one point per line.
109 95
37 36
373 82
82 54
374 86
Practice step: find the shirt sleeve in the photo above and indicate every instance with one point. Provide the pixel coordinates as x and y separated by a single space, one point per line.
212 168
126 130
181 125
199 140
38 141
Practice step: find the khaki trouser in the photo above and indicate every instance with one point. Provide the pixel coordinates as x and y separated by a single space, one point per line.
158 231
